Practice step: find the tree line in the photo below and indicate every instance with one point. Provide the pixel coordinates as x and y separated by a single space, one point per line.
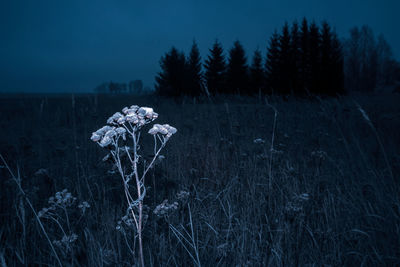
300 60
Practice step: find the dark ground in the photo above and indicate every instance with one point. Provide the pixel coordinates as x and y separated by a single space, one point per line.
325 195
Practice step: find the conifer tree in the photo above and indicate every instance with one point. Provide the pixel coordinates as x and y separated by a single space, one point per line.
304 57
272 65
215 70
285 60
237 71
194 71
337 67
314 58
294 58
257 74
331 71
170 81
325 60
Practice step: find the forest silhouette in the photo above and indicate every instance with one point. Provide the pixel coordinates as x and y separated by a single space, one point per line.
301 60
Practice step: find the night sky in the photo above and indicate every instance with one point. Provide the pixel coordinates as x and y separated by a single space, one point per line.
74 45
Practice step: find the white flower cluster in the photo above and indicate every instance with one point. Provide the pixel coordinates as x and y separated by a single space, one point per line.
65 241
134 116
182 195
61 199
258 141
83 206
165 208
164 129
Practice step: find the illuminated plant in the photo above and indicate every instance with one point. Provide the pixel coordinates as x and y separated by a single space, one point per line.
122 137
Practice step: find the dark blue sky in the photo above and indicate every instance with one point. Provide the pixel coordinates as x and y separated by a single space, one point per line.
74 45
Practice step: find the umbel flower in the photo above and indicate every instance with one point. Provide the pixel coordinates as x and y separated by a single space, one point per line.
129 121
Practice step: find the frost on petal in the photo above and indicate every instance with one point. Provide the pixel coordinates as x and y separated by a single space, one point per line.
114 118
170 130
158 126
95 137
162 130
121 120
258 141
132 117
103 130
153 130
125 110
155 116
134 107
105 141
110 120
120 130
145 112
111 133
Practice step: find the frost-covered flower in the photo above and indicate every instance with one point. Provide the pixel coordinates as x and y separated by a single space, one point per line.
105 141
164 129
114 118
171 130
134 107
83 206
95 137
145 112
258 141
125 110
182 195
132 117
165 208
120 130
121 120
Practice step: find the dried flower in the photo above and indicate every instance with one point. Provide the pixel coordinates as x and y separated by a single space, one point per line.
83 206
165 208
182 195
105 141
258 141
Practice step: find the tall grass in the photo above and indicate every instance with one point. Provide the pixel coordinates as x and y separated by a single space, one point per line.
326 194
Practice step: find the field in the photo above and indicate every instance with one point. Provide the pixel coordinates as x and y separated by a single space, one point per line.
272 182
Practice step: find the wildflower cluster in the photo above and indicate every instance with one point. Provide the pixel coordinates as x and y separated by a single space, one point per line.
121 126
61 212
258 141
65 241
182 195
62 199
83 206
129 121
165 208
164 129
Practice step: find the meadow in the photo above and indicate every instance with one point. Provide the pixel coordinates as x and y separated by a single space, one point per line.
271 182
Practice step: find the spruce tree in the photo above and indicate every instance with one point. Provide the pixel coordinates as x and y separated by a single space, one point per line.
331 71
337 67
170 81
194 85
237 71
314 58
285 61
325 60
257 74
304 57
272 66
295 45
215 69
